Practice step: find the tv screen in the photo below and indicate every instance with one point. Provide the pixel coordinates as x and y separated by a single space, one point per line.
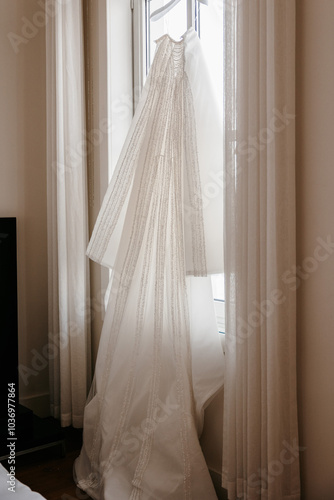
8 312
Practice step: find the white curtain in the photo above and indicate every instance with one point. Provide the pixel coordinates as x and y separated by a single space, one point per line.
260 442
69 322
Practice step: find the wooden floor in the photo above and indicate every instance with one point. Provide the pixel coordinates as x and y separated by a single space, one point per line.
50 474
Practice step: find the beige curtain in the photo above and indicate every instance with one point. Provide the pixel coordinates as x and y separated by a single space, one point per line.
69 321
260 442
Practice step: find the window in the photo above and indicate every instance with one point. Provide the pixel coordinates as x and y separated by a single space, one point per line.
145 30
206 20
150 22
175 22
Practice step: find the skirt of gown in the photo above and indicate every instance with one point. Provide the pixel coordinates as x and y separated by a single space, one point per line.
160 359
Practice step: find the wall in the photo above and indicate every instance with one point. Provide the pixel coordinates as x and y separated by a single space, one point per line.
315 218
23 182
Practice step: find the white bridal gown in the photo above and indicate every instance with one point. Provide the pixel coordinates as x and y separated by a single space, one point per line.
160 230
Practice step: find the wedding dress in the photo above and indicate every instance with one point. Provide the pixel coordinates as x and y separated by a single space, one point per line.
160 231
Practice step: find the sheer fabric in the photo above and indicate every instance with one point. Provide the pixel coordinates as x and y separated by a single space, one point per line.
160 359
68 278
260 439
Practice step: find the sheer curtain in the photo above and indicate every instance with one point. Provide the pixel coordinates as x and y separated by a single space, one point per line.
69 326
260 442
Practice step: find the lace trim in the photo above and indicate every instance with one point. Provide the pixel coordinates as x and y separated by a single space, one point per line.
194 184
91 482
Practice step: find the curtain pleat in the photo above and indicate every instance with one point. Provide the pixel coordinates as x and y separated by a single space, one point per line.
69 319
260 443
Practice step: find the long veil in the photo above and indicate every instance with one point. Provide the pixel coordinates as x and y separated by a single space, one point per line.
160 231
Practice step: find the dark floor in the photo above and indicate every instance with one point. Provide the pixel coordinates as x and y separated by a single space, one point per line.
50 474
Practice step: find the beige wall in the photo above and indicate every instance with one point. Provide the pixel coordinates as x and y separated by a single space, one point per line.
315 218
23 181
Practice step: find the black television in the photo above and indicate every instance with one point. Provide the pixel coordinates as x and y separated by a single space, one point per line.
8 312
32 433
